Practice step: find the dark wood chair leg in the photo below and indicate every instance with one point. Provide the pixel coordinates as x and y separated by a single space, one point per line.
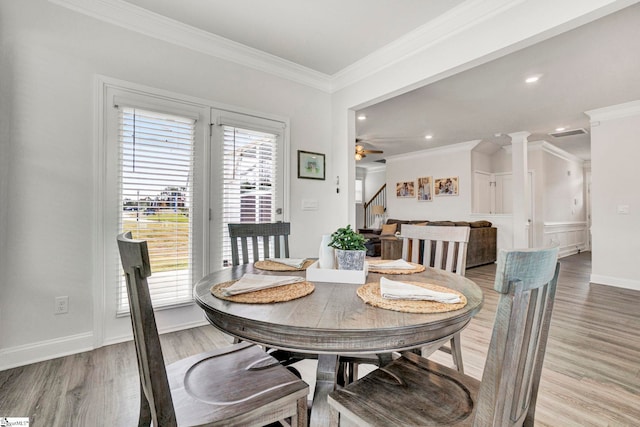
144 419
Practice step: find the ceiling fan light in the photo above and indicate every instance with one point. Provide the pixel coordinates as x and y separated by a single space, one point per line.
358 156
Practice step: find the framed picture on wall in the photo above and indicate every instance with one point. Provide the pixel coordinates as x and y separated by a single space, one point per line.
446 186
311 165
405 189
425 189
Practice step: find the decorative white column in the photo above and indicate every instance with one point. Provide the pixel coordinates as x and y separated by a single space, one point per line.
521 196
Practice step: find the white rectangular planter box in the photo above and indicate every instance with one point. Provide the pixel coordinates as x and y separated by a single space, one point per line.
317 274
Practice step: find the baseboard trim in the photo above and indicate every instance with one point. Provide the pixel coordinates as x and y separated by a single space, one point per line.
27 354
173 328
615 281
571 250
21 355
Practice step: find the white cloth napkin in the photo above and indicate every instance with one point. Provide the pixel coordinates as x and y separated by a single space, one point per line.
291 262
398 264
390 289
254 282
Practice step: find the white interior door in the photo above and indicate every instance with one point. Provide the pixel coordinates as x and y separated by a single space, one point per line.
482 194
504 193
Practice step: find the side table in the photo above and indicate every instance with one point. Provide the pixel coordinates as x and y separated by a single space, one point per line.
391 247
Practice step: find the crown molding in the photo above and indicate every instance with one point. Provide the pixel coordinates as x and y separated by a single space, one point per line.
553 150
137 19
548 148
613 112
449 149
143 21
370 167
456 20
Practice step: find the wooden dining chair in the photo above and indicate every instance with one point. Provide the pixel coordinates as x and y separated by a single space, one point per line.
440 247
265 233
444 248
412 390
235 386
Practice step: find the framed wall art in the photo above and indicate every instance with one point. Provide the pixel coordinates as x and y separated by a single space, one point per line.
425 189
446 186
405 189
311 165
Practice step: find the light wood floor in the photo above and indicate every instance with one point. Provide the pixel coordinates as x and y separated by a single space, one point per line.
591 375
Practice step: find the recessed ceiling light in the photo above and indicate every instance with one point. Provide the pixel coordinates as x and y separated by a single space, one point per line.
362 117
428 136
560 129
532 79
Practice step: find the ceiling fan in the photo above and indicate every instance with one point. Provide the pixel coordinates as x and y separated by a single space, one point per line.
362 153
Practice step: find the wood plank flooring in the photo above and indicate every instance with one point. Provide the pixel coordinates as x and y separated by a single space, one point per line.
591 375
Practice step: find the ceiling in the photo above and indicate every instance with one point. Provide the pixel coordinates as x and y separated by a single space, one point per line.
593 66
326 36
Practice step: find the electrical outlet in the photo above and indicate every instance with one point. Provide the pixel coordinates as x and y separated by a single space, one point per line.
62 305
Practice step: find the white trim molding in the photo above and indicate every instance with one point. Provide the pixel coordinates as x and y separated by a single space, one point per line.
569 236
613 112
453 148
27 354
138 19
459 19
617 282
45 350
161 330
547 147
143 21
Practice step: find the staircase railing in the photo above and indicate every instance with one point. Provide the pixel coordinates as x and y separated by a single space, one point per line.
380 198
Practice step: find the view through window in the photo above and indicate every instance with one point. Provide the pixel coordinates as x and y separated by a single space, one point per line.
156 176
250 173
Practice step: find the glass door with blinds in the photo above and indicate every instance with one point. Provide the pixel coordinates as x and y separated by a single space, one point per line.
153 172
156 189
249 187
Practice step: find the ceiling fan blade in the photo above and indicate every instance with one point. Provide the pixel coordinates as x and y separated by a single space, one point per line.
373 151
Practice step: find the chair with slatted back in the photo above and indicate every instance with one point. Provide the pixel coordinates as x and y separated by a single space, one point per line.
263 234
412 390
441 247
235 386
445 248
259 235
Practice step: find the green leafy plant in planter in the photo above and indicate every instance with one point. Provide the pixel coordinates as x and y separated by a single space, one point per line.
350 249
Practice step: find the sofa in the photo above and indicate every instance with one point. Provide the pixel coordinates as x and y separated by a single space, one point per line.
482 247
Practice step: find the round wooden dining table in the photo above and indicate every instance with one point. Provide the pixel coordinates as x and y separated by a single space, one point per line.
333 321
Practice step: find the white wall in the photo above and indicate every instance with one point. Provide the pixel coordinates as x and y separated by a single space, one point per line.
375 178
563 190
481 161
50 57
615 180
451 161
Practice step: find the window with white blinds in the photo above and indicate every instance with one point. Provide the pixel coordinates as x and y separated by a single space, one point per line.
249 180
155 185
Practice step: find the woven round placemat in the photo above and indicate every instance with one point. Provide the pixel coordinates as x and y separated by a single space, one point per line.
265 296
417 268
370 293
276 266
